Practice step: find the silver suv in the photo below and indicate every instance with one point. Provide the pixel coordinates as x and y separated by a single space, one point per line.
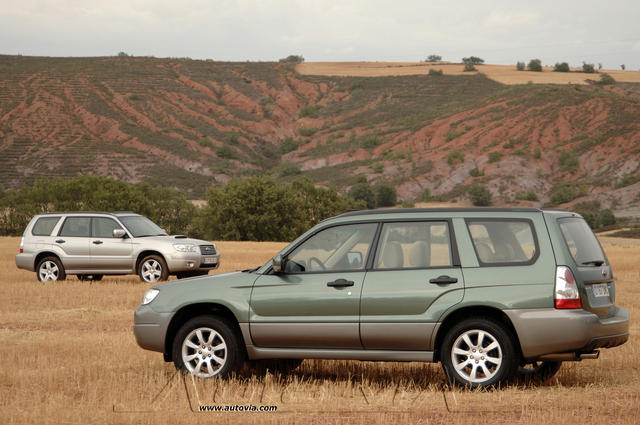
93 244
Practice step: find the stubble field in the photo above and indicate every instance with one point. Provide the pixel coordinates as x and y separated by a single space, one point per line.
68 356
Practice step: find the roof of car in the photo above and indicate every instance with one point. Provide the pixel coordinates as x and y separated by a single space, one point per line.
438 210
114 213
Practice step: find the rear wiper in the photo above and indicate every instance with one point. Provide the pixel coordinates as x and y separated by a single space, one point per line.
593 263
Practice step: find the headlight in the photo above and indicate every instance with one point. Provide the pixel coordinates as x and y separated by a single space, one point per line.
185 248
149 296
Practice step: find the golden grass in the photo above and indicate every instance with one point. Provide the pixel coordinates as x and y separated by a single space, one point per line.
68 355
506 74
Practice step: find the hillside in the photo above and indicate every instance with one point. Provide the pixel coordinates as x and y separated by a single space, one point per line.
189 124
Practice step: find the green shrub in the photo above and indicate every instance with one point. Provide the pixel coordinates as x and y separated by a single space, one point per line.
536 153
494 157
369 141
385 195
292 59
362 191
454 157
408 203
426 195
561 67
435 71
568 161
433 58
468 67
308 132
606 79
206 143
480 196
566 192
226 152
378 167
289 145
288 169
310 111
535 65
527 196
476 172
520 66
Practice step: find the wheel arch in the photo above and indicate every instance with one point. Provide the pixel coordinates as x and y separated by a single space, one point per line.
146 253
466 312
44 254
190 311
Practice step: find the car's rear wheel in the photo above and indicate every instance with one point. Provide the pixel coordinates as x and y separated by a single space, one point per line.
50 269
479 352
207 347
153 269
538 372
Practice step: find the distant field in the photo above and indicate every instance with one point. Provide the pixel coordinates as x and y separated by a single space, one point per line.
68 356
506 74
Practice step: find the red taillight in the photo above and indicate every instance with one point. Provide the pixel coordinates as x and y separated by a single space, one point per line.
566 292
21 250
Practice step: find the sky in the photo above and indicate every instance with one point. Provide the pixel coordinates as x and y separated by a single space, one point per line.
501 32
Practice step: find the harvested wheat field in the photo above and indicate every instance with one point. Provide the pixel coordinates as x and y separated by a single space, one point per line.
68 356
505 74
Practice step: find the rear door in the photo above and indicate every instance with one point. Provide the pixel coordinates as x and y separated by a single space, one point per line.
74 239
415 265
591 267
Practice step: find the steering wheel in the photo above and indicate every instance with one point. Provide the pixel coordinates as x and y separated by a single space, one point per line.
317 260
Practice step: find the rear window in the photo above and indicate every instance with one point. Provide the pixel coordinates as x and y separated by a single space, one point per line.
582 243
503 241
44 226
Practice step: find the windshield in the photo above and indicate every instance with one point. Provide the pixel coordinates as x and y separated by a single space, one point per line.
140 226
582 243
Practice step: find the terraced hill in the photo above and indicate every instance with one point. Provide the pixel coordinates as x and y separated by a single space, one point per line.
189 124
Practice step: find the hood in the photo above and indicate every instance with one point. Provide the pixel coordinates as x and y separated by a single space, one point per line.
174 239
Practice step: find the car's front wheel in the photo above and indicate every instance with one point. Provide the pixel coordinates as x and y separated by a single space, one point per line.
50 269
479 352
207 346
153 269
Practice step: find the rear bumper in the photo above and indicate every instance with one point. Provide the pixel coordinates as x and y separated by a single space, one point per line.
25 261
549 331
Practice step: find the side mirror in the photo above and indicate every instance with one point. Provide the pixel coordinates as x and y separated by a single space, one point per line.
119 233
278 263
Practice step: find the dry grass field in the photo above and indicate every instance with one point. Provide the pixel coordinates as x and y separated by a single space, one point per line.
68 356
505 74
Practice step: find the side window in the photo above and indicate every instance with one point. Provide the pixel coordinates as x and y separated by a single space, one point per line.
336 248
44 226
103 227
76 226
414 245
506 241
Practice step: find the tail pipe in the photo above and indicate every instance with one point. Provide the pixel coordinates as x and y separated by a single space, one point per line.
569 357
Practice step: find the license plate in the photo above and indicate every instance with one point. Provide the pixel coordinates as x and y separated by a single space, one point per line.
209 260
600 290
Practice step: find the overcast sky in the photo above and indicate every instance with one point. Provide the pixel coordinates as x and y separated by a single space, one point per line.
501 32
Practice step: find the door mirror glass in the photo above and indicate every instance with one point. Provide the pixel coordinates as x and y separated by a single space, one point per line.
355 259
276 263
119 233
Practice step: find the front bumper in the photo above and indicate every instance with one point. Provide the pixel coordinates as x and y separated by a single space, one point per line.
25 261
150 328
550 331
191 261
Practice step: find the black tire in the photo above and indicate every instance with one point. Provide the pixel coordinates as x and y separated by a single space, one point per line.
274 366
204 363
50 269
538 372
494 361
153 268
184 275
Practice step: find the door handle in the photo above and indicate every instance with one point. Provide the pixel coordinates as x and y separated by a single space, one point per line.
340 283
444 280
60 241
97 242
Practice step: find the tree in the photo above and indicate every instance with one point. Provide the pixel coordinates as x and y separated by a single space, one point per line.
433 58
588 68
520 66
623 67
293 59
361 191
606 79
561 67
469 67
535 65
474 60
385 195
480 196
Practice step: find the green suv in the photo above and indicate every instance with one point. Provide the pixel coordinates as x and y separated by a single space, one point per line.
488 292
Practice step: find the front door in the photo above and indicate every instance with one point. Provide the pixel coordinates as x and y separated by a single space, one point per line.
415 277
315 301
109 253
